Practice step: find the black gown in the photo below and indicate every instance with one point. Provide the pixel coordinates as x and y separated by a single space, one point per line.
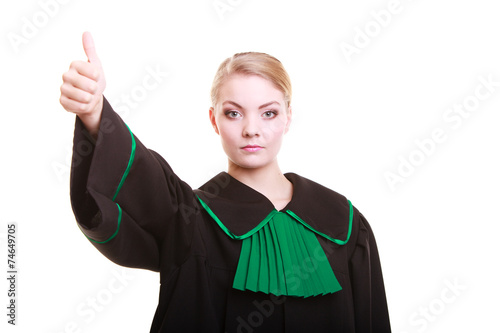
136 211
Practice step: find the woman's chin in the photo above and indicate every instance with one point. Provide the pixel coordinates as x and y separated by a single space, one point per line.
249 163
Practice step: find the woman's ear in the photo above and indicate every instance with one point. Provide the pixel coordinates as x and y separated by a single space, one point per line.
211 114
288 118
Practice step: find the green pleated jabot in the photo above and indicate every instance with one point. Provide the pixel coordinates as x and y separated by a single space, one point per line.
282 256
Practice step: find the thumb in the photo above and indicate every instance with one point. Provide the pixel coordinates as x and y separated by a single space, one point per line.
88 46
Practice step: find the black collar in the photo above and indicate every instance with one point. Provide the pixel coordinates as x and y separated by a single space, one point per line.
241 208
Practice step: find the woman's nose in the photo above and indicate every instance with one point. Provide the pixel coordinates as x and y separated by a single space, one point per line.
251 128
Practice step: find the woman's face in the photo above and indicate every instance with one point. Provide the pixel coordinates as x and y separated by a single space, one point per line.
251 119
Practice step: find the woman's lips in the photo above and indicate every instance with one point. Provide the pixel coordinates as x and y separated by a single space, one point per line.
252 148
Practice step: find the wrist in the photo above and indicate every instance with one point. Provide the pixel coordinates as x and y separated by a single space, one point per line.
92 120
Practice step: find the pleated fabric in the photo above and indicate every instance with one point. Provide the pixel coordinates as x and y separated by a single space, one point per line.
284 258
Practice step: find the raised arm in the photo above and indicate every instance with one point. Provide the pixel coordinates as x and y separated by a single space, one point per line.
125 197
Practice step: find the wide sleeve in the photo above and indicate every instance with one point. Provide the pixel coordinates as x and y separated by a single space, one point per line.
370 304
125 197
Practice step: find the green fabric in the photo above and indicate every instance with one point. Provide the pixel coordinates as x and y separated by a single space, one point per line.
282 256
227 231
336 241
117 228
270 216
129 165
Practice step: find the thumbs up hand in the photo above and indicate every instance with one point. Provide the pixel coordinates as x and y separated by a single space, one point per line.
83 86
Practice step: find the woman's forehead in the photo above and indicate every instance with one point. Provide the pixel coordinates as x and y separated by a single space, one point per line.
249 89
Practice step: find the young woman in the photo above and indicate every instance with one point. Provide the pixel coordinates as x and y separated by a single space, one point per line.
253 249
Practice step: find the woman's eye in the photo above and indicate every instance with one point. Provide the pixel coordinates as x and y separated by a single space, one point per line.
232 114
270 114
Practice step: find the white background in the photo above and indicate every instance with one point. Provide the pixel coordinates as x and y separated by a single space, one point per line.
355 118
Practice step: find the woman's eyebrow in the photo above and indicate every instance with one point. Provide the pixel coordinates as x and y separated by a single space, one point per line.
267 104
233 103
260 107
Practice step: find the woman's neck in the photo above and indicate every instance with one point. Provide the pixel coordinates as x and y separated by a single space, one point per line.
268 180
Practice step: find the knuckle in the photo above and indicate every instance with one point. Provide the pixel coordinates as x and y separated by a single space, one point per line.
66 90
93 88
82 107
97 75
65 76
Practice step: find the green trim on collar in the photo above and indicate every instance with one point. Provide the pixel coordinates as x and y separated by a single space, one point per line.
242 208
228 232
270 216
336 241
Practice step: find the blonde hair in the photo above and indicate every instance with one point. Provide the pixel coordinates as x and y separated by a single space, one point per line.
253 63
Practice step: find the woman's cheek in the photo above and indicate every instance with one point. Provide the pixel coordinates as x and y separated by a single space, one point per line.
274 132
